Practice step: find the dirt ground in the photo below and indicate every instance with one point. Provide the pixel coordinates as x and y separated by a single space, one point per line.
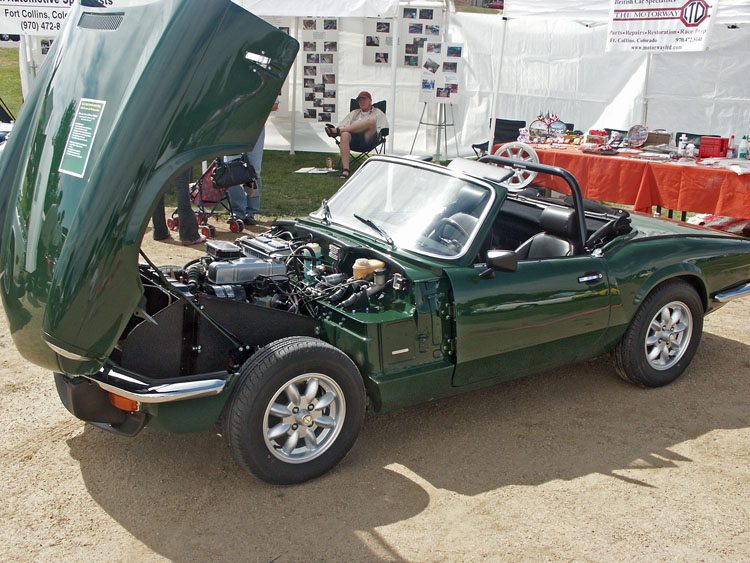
572 464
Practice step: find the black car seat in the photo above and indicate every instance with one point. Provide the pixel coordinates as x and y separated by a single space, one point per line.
559 227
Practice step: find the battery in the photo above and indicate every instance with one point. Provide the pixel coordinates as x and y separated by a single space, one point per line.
223 250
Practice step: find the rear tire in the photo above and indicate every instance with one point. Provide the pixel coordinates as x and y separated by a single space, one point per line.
662 337
296 411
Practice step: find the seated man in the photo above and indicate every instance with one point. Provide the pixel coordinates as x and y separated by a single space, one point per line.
359 130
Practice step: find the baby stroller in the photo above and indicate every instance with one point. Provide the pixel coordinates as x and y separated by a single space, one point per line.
209 195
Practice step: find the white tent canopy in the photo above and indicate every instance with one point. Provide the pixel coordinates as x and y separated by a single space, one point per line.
322 8
597 11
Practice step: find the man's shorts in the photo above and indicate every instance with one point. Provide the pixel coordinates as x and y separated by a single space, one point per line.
361 142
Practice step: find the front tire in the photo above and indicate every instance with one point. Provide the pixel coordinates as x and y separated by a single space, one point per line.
662 337
296 412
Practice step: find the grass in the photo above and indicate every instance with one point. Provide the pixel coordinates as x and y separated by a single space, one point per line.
10 80
286 194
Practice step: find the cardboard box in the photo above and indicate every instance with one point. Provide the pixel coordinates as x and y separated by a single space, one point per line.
657 138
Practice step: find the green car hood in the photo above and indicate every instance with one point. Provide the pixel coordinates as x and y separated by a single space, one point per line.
125 99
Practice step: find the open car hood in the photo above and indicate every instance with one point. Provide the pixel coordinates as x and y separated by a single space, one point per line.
125 99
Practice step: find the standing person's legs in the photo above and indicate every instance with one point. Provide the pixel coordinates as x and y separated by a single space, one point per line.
237 201
255 158
188 222
236 195
160 230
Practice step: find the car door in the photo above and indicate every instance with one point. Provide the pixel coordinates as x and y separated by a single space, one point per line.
548 313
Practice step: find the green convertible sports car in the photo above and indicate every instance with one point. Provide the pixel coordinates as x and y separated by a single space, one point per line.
414 282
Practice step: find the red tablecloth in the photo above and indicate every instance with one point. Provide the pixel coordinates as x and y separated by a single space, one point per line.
644 184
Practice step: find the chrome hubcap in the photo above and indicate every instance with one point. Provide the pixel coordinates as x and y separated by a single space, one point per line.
519 151
304 418
668 335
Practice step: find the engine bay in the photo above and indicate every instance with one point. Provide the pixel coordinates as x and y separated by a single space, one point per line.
211 313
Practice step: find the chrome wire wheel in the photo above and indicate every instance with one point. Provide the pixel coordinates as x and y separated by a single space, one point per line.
523 152
304 418
668 335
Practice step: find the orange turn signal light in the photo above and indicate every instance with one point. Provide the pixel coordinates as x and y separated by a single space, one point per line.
122 403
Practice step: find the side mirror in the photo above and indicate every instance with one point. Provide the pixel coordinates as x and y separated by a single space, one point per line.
501 261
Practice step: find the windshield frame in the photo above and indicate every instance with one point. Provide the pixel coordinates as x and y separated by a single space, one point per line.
492 188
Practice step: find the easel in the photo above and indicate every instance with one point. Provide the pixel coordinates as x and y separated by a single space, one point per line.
442 124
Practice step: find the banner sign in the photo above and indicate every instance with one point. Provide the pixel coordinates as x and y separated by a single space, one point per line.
33 17
660 25
45 17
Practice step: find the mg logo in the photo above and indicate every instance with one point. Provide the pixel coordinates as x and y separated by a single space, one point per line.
694 12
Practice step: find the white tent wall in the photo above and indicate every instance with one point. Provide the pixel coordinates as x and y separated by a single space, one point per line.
546 65
555 65
550 62
704 92
562 66
353 76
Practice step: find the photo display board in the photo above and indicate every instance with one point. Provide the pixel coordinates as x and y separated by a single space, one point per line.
319 61
442 69
417 27
378 41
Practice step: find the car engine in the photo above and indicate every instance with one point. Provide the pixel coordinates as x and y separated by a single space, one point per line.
276 270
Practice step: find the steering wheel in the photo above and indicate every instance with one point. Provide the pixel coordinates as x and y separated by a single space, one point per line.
518 151
438 236
452 223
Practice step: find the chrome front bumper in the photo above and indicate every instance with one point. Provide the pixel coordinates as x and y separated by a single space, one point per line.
138 388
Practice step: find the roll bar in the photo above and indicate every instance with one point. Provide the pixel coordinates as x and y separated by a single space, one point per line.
575 188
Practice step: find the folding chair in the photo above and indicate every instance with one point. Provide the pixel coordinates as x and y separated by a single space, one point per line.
378 145
506 131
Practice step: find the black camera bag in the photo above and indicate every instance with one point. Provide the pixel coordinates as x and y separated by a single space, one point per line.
233 173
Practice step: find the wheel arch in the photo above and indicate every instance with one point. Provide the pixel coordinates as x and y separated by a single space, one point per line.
264 349
688 273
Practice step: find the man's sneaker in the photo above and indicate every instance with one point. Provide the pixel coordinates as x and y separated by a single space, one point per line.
249 221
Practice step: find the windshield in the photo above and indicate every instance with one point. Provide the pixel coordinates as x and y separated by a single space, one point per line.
412 206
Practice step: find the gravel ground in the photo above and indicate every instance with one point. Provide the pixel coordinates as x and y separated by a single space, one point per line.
572 464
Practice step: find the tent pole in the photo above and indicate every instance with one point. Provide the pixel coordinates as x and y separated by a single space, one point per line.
645 90
293 73
394 67
496 92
